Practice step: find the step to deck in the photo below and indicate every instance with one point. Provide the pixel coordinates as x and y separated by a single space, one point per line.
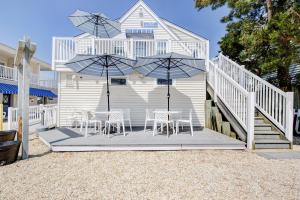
267 136
271 144
262 127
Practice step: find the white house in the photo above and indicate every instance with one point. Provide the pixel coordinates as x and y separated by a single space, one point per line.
260 113
143 34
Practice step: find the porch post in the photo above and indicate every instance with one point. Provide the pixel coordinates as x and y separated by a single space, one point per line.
289 114
250 119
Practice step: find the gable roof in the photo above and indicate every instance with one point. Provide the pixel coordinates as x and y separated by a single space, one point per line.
182 29
149 10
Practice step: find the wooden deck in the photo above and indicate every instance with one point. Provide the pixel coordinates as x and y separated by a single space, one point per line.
64 139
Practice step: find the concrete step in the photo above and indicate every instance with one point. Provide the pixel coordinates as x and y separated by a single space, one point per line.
262 127
271 144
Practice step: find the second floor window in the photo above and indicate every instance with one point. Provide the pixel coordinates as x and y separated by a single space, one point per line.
161 47
164 82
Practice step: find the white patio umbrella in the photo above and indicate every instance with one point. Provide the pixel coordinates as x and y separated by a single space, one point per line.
96 24
102 65
170 66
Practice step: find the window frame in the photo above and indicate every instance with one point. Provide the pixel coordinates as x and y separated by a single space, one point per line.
162 85
118 77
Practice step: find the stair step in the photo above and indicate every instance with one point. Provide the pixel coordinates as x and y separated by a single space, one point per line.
266 133
258 118
259 121
269 141
271 144
262 127
267 137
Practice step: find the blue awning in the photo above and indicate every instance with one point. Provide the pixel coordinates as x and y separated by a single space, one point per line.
13 89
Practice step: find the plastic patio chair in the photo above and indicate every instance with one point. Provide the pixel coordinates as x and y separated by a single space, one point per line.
149 118
115 119
163 119
185 121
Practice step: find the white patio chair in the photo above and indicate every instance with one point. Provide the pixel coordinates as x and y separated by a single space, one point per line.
126 116
149 118
88 119
185 121
74 117
115 119
163 119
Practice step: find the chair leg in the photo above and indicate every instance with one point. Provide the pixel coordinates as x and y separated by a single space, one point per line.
145 126
177 126
108 131
154 128
100 126
173 125
161 128
86 128
192 130
123 128
130 125
167 129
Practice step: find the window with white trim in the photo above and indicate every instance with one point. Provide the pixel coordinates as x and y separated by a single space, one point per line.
160 81
118 81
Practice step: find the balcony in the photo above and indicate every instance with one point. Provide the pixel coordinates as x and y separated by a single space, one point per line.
65 48
11 74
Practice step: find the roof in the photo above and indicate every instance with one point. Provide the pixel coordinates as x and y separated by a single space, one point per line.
12 52
294 71
163 22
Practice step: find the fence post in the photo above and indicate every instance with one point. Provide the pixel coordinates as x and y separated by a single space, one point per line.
215 82
9 118
289 114
250 117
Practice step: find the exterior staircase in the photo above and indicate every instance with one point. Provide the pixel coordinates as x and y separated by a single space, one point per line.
267 137
259 112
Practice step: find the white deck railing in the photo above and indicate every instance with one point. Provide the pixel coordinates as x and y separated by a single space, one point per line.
11 74
275 104
44 114
239 101
65 48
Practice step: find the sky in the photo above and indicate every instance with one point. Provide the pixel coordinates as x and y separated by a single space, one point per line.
41 20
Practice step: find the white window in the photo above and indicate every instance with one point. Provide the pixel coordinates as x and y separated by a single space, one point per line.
160 81
118 81
161 47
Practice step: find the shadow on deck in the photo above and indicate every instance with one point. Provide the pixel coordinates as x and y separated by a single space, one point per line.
70 139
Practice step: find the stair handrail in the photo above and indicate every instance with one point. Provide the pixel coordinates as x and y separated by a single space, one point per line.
230 92
272 102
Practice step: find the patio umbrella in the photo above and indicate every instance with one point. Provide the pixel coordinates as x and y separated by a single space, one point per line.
170 66
101 65
96 24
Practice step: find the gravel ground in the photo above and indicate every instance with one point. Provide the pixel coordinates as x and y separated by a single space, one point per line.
149 175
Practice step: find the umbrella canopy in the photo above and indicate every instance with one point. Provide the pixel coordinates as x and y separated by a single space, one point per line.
170 66
96 24
102 65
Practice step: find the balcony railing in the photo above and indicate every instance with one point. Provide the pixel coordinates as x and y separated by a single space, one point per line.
11 74
66 48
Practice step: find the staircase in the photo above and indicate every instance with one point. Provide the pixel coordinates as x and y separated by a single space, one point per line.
261 113
267 137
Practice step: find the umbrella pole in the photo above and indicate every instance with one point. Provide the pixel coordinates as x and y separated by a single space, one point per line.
107 86
169 63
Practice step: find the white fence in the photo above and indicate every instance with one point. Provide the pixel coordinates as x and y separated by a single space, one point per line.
239 101
44 114
275 104
65 49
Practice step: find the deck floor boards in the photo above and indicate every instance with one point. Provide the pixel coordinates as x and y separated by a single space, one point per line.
65 139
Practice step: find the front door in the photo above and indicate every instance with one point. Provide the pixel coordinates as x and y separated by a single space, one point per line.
6 103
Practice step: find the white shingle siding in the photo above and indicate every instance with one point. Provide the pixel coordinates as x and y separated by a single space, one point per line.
139 93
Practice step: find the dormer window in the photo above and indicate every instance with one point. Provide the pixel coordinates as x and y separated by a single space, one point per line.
141 14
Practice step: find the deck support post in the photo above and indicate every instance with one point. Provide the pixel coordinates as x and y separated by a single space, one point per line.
289 129
25 52
250 121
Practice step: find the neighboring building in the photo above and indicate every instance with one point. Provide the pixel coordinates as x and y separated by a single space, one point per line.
42 91
143 34
294 72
